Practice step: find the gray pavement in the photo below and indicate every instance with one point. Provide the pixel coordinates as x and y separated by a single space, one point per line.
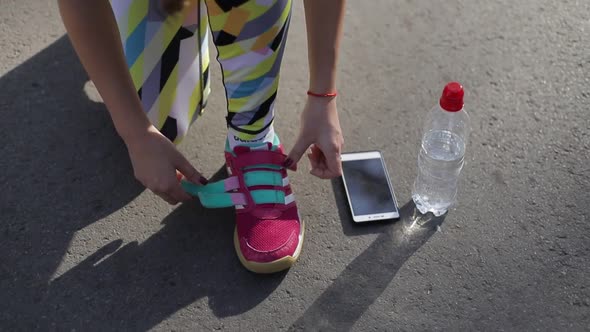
84 247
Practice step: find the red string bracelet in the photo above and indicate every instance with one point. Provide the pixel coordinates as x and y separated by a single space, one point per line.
323 95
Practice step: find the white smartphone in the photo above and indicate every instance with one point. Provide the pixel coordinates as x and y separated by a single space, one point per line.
368 187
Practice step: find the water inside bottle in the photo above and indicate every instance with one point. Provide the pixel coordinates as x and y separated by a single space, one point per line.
439 164
443 145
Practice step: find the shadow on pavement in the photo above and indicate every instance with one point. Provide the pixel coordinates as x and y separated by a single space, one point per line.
64 168
367 276
142 284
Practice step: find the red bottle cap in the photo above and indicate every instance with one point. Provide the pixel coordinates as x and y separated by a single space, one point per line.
452 97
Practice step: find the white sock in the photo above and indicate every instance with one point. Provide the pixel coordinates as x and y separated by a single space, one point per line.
266 136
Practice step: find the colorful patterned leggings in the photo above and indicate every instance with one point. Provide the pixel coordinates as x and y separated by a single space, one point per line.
168 59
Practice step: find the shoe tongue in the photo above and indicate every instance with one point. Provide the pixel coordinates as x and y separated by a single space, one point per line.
241 149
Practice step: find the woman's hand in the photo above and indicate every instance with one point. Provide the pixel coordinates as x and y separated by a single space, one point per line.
320 129
158 165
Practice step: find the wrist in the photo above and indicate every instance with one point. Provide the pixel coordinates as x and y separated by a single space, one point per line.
320 104
132 127
322 87
135 137
332 94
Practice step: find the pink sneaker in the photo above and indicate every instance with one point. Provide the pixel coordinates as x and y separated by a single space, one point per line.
269 232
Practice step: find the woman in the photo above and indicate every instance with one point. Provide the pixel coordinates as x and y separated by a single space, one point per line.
149 61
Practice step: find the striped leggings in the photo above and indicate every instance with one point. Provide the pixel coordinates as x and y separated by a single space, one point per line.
168 59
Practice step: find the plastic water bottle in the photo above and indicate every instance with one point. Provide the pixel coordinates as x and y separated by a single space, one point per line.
442 154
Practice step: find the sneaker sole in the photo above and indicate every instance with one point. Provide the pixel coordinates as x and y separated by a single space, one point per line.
274 266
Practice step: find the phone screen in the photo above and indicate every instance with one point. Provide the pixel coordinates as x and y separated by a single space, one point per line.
368 187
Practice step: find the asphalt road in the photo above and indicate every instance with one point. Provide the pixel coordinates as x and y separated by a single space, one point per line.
84 247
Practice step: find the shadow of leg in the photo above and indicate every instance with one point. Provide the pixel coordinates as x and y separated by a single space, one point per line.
140 285
365 278
63 168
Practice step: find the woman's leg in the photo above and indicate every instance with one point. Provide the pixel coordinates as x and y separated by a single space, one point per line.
168 60
250 37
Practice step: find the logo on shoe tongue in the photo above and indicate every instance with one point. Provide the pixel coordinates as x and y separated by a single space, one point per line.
236 138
